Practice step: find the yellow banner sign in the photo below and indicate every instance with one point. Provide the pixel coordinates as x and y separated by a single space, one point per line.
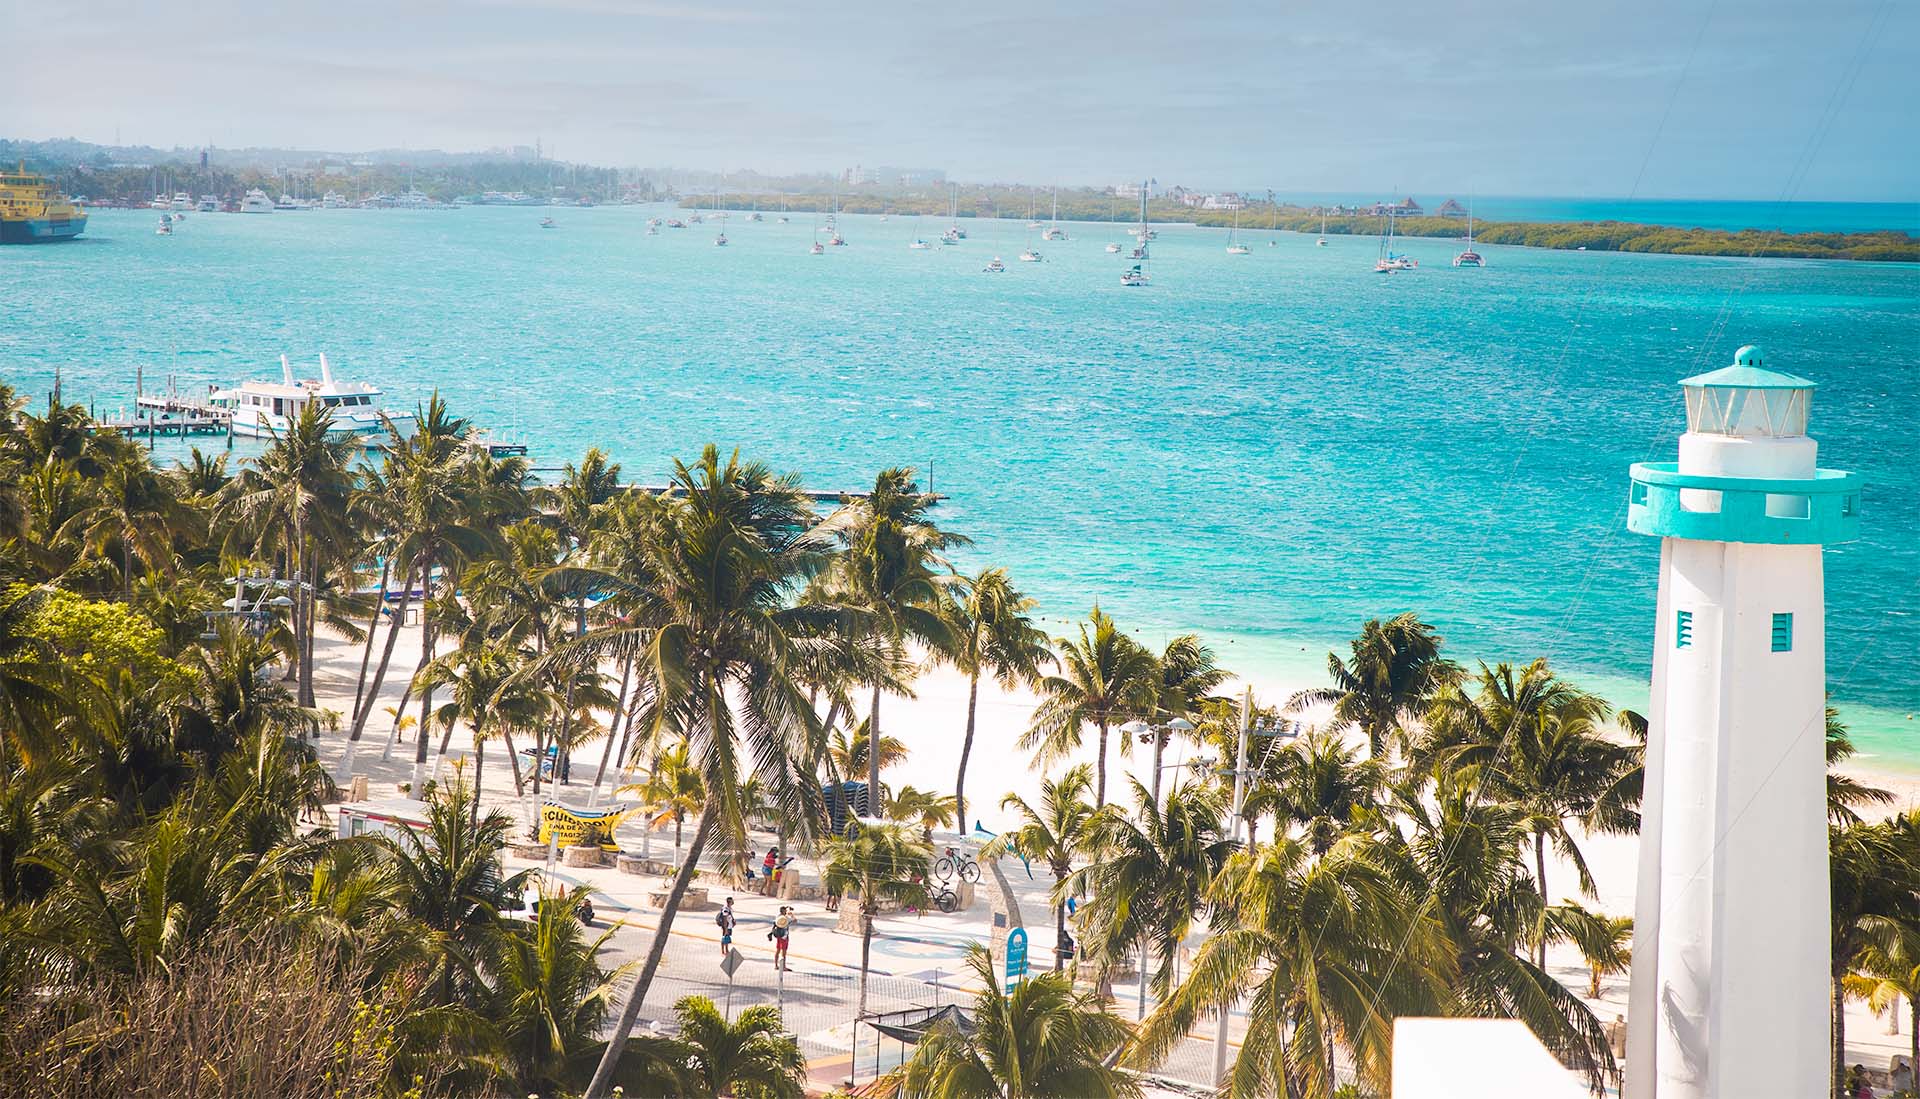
573 828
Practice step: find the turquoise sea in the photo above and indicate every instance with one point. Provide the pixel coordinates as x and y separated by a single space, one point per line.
1267 448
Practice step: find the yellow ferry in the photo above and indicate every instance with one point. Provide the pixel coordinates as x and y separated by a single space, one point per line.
32 212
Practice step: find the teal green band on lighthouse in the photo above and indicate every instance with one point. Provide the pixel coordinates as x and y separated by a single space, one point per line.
1820 510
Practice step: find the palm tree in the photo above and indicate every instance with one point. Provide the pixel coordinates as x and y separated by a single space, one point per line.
1320 785
1150 868
1104 676
708 617
753 1057
848 754
1887 975
488 694
549 997
450 877
880 863
672 790
892 569
1056 832
1186 677
1325 949
293 501
992 635
1384 688
1605 942
1533 740
134 514
1875 898
1462 853
1846 794
923 807
1042 1039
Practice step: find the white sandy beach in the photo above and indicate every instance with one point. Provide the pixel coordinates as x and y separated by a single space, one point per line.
932 722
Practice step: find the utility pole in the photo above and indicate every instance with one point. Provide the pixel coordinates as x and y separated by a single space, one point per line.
1239 805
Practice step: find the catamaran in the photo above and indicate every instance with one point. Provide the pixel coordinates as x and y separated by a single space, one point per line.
266 410
1469 258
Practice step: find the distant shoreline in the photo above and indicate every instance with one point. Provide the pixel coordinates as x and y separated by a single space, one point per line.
1884 246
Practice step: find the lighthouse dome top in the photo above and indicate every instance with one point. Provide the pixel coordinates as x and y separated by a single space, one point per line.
1747 399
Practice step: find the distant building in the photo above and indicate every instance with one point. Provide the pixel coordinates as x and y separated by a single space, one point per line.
1451 209
1406 208
1225 201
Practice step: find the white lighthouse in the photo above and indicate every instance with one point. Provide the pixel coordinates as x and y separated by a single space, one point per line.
1730 965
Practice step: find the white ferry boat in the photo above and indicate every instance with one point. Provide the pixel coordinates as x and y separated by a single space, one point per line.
256 202
265 410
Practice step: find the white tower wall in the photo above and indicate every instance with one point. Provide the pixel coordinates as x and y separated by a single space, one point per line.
1730 969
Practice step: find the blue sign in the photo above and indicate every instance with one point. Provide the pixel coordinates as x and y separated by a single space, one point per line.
1016 957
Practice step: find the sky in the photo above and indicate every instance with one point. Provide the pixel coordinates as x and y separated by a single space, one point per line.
1776 100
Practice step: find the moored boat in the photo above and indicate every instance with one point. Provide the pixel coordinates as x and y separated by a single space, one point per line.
32 212
256 202
266 410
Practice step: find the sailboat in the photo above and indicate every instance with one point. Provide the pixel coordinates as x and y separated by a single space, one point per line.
1390 260
1322 242
1030 255
919 242
1234 247
783 209
1032 222
1054 232
816 249
834 240
1469 258
954 233
1134 276
720 238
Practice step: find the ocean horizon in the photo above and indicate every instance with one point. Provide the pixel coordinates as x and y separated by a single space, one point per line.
1268 449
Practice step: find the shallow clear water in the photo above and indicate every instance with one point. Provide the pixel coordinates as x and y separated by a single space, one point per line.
1270 448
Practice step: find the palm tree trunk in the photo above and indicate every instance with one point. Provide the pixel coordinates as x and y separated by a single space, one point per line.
126 566
312 626
1159 753
1839 1018
1540 868
513 760
479 761
679 821
1100 769
602 1080
373 631
613 722
303 685
966 749
866 954
426 655
1913 1017
1059 935
873 755
386 655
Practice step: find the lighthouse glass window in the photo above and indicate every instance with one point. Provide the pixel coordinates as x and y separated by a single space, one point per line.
1718 410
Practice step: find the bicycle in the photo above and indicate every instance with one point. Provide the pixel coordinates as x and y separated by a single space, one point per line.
946 900
954 864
